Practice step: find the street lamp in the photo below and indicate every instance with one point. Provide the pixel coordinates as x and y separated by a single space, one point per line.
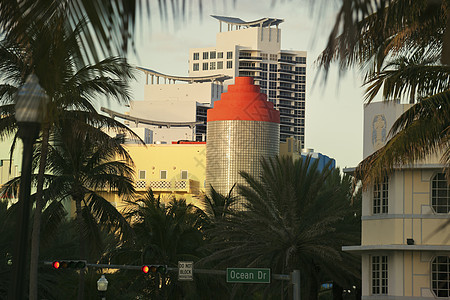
30 101
102 286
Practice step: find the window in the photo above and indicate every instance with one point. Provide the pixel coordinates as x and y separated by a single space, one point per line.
163 174
205 55
141 174
205 66
229 64
212 54
273 76
264 66
300 60
440 194
195 67
272 85
273 67
219 54
379 275
229 55
273 56
212 65
264 56
380 197
196 56
184 175
440 276
219 65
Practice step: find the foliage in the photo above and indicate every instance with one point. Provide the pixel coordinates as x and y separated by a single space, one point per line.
403 47
295 218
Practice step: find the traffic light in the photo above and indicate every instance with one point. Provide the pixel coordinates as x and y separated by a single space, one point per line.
153 269
69 264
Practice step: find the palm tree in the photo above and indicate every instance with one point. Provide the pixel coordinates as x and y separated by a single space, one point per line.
82 163
165 234
111 23
290 222
51 53
398 44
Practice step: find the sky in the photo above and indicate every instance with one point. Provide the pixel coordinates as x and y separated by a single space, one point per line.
334 109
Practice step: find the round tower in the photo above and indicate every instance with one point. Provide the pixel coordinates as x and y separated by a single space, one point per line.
243 127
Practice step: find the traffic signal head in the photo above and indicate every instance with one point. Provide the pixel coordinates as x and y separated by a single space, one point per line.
56 264
69 264
153 269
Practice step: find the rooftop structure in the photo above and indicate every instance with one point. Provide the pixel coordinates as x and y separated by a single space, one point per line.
174 107
243 128
253 49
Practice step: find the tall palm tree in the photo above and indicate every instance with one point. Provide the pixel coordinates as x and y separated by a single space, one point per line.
51 53
290 222
82 163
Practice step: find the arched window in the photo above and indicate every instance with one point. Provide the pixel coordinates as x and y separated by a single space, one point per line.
440 276
440 194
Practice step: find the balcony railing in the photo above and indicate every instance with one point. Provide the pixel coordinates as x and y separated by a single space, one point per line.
187 186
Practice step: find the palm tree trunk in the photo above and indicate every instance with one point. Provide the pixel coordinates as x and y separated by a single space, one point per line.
40 203
79 219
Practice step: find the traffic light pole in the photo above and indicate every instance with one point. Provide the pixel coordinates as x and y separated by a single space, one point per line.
294 277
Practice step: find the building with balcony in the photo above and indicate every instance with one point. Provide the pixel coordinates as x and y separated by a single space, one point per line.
170 170
253 49
405 245
174 107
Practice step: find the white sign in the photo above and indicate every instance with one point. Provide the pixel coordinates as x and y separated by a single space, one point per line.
185 270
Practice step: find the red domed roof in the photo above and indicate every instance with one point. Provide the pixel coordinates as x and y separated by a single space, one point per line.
243 101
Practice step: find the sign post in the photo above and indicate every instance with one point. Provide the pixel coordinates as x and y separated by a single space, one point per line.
248 275
185 270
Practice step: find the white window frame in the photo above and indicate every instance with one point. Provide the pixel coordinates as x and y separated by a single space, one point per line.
229 64
196 56
161 172
379 275
187 175
435 199
145 174
444 281
380 197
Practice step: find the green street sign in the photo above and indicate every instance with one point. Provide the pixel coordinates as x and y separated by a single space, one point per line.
248 275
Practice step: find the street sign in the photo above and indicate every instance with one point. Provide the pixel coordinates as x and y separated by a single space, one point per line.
185 270
248 275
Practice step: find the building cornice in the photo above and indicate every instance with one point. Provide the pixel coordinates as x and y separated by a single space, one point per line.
394 247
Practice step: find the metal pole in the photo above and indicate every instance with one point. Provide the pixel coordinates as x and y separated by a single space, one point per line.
295 277
28 132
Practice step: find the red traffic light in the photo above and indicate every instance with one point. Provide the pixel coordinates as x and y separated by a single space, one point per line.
162 269
69 264
56 264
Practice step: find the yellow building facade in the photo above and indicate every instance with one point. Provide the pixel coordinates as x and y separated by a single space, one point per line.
170 170
405 245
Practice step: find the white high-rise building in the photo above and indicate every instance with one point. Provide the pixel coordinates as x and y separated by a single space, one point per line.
254 49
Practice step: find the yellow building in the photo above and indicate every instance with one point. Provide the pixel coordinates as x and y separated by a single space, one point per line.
405 245
170 170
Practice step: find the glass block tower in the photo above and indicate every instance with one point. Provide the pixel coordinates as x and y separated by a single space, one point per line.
243 127
254 49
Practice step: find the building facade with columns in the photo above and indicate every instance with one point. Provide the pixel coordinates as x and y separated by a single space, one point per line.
405 245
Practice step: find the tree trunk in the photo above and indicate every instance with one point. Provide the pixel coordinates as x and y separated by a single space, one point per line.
40 203
82 248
